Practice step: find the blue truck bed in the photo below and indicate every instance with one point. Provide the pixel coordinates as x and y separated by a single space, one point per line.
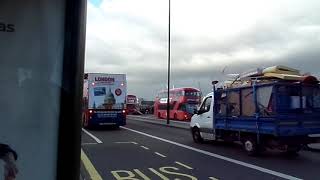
278 109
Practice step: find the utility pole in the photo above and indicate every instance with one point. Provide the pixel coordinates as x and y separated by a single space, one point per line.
169 58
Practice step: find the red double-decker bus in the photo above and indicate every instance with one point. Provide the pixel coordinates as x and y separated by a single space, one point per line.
182 103
131 104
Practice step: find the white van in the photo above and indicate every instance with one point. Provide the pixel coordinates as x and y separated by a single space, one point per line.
202 121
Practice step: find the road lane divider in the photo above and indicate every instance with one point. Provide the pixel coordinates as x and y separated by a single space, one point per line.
94 175
131 142
213 178
241 163
159 154
183 165
146 148
92 136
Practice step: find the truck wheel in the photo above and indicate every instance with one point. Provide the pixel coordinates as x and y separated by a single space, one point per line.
196 135
250 146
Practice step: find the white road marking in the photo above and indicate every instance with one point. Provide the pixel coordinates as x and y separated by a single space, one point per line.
126 142
88 143
258 168
93 137
159 154
183 165
213 178
146 148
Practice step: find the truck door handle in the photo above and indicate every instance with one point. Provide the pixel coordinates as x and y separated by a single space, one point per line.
208 117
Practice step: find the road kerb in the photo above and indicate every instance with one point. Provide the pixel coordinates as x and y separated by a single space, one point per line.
184 126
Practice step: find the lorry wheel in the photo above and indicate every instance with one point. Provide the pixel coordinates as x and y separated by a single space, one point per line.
250 146
196 135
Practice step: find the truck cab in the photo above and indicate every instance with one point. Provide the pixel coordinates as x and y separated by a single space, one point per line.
202 121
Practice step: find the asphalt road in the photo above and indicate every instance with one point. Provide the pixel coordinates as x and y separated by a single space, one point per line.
143 151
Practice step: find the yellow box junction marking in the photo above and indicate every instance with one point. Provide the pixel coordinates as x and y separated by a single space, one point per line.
94 175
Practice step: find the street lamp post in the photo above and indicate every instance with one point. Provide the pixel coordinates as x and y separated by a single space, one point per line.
169 58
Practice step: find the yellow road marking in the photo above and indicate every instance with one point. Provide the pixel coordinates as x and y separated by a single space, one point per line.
145 147
212 178
130 175
141 174
159 174
159 154
94 175
183 165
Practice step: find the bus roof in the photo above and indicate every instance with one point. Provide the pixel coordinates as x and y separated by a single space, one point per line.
182 89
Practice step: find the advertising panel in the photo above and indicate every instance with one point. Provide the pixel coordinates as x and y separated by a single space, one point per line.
107 91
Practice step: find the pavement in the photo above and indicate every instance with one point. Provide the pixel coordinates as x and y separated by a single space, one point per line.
147 151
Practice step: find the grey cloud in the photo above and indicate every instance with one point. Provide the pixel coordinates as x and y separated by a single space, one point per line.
147 73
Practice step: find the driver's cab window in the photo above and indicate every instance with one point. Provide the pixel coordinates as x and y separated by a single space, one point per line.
205 107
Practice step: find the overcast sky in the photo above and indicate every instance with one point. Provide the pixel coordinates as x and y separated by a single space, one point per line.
130 36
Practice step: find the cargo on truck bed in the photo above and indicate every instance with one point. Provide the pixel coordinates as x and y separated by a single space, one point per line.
262 112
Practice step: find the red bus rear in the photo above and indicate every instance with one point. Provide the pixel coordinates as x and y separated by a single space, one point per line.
131 104
182 102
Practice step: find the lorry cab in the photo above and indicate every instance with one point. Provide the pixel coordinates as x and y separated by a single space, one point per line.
202 121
